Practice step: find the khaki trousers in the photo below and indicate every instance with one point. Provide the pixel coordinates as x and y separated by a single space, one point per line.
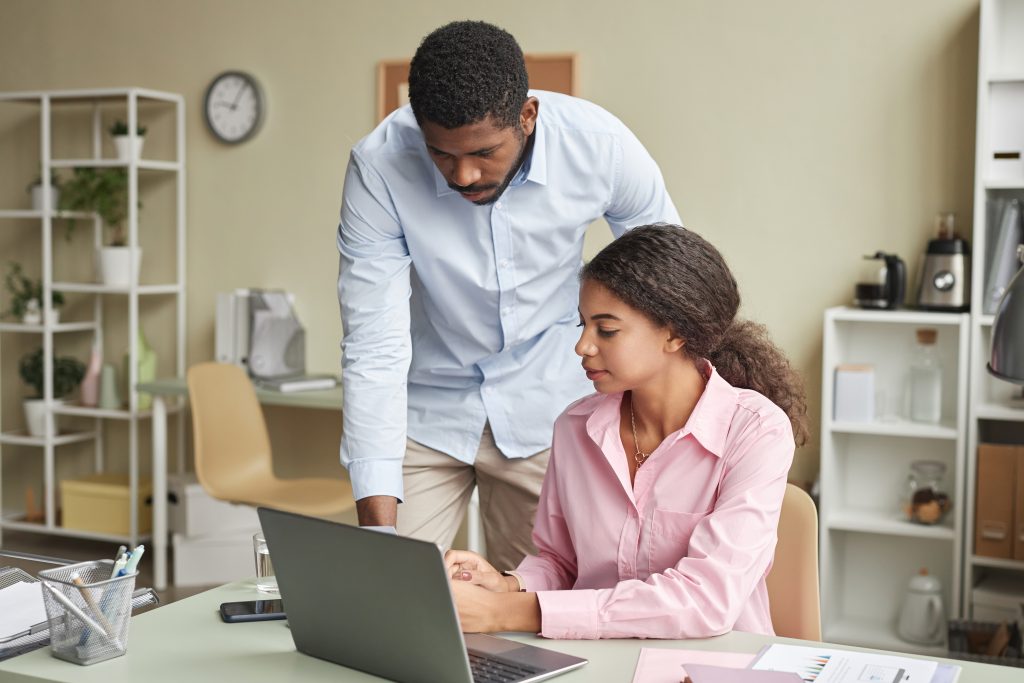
438 488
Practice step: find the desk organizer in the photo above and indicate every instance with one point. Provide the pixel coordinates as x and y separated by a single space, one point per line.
969 639
88 622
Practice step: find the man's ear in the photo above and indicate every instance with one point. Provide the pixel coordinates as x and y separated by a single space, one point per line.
528 115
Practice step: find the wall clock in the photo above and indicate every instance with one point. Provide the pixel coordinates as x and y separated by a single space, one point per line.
234 107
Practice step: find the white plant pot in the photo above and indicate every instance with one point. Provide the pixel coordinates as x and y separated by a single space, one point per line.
37 197
36 317
126 150
115 263
35 416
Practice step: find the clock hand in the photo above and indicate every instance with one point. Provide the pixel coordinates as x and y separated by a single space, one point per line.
234 105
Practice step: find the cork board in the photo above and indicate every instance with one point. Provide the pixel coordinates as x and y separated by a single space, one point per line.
555 72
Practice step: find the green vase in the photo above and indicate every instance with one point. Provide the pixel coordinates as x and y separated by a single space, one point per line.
146 369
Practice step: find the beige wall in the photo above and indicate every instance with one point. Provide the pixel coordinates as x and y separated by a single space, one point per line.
796 134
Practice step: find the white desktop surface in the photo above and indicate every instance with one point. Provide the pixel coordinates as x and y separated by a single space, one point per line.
187 641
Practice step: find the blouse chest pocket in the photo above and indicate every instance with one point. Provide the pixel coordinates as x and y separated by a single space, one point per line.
670 537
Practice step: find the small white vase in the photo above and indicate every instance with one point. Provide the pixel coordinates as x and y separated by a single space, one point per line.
37 197
126 150
35 416
34 315
115 263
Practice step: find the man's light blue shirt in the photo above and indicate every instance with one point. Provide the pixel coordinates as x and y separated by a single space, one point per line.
456 315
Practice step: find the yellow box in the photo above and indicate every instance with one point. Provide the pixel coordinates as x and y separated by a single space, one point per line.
99 503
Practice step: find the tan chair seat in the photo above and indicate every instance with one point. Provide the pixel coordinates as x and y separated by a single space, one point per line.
793 581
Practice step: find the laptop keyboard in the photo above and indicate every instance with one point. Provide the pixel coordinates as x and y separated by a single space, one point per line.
488 670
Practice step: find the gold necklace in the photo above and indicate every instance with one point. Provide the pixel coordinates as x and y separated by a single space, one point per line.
639 456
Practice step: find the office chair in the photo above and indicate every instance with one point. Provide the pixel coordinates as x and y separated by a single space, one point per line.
232 449
793 579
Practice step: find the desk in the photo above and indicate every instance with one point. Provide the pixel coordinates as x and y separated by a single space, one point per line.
186 641
329 399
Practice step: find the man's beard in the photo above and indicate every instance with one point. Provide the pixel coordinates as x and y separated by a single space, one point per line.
527 145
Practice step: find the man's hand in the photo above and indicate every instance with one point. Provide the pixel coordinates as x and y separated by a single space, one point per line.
481 611
377 511
467 566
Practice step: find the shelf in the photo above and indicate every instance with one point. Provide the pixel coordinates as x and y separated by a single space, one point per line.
997 563
897 427
105 413
15 523
1004 184
28 213
995 411
1008 77
89 95
141 164
877 634
59 327
889 523
96 288
22 438
904 316
985 320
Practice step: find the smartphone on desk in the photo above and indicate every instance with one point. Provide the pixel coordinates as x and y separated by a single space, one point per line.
252 610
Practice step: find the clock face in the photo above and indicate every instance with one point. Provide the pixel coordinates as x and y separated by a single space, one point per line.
234 107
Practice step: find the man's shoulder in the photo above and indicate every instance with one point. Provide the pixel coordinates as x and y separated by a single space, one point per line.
575 113
397 134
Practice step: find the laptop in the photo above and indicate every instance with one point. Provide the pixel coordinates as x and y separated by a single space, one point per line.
380 603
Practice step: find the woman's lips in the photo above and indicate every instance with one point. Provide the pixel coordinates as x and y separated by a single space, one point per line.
593 375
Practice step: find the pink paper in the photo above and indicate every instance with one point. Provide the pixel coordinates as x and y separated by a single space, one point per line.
659 665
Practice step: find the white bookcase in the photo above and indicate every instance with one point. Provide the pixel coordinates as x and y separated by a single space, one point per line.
97 107
996 413
869 551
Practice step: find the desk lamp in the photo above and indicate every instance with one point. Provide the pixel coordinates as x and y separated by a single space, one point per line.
1007 362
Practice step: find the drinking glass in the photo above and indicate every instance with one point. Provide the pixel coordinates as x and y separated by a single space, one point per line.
266 582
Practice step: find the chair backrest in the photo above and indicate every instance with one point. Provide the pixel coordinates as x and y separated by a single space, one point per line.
232 448
793 580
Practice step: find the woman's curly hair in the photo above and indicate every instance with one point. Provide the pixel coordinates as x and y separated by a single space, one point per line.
680 281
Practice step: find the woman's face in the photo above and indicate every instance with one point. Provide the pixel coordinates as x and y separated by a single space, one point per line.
621 348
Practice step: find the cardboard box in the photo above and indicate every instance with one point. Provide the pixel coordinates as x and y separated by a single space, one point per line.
99 503
191 511
214 559
994 514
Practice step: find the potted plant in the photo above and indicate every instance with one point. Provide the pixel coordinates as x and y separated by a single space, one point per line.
27 298
35 189
127 146
105 192
67 374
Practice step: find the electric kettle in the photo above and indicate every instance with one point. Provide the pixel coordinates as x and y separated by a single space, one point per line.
922 616
882 283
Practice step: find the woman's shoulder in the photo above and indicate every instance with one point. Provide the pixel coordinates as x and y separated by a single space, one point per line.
757 413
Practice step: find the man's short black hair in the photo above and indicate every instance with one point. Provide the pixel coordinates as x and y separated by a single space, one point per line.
465 71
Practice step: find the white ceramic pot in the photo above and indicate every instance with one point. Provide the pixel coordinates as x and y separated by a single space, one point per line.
37 197
125 149
34 315
115 263
35 416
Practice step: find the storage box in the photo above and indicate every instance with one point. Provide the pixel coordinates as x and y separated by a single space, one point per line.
854 393
213 559
997 483
99 503
193 512
998 598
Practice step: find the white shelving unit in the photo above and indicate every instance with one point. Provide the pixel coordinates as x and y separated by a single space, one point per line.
996 413
128 102
869 551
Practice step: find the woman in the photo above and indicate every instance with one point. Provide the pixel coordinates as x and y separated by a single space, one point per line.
661 501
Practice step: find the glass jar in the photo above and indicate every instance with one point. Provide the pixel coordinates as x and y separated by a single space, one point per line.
925 379
925 500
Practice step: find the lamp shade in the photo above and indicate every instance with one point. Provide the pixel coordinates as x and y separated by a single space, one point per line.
1007 362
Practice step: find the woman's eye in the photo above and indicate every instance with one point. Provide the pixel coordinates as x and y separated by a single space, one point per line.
606 333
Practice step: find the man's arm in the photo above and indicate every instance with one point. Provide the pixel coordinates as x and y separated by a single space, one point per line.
373 292
639 197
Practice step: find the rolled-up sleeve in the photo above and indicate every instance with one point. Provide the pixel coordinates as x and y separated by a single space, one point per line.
730 553
554 566
373 292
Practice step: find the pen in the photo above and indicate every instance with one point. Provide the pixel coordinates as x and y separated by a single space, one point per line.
121 550
119 565
133 560
77 580
73 608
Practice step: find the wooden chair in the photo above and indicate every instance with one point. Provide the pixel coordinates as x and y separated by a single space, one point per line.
232 449
793 580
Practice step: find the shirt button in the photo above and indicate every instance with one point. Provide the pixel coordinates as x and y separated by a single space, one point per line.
498 205
488 390
507 310
503 263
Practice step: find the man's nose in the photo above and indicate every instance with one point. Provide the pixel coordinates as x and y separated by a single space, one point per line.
465 173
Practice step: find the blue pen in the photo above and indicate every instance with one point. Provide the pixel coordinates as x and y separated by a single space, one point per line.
133 560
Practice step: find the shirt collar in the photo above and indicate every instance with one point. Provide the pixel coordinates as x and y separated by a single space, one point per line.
534 168
709 422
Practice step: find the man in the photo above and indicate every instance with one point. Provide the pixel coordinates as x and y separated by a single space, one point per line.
461 237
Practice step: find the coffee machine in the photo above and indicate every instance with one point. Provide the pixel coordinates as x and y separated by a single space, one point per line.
945 283
883 283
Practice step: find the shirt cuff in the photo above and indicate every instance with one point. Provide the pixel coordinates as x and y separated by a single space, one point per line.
376 477
569 614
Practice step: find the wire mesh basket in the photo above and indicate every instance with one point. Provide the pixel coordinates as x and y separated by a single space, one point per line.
88 611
